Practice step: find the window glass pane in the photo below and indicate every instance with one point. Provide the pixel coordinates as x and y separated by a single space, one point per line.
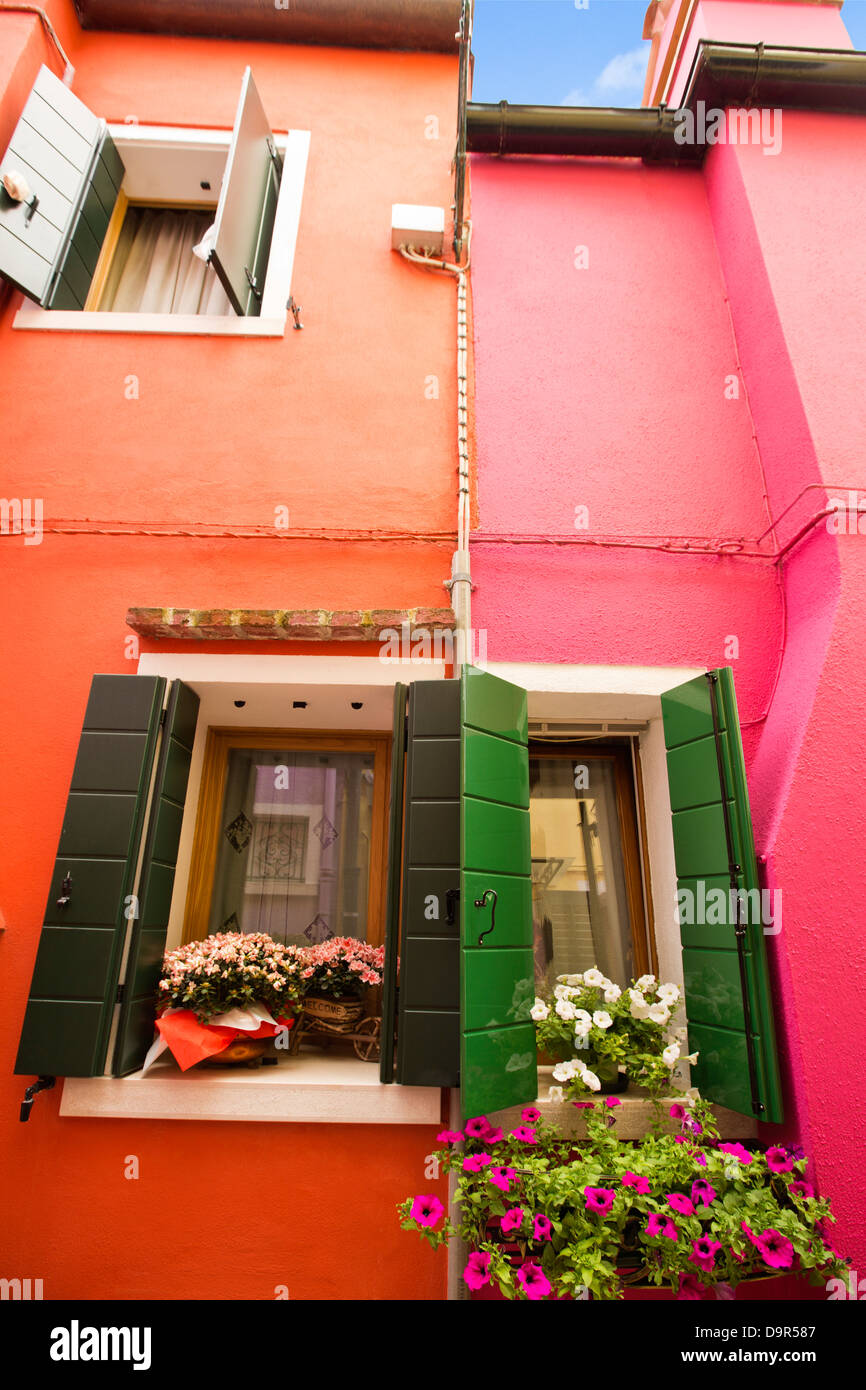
294 850
580 907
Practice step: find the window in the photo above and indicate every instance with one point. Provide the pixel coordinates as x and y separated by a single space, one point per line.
457 880
290 836
587 890
92 202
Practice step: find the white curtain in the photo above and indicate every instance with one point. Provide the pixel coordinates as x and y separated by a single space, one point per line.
154 270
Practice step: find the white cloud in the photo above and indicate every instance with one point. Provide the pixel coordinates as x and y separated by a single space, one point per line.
624 73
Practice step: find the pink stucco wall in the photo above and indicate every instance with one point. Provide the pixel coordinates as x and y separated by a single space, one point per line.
605 387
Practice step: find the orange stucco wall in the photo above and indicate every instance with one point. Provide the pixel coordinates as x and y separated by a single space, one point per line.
333 423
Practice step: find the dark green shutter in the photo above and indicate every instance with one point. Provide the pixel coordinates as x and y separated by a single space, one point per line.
428 1035
395 876
73 992
247 204
727 993
156 881
72 166
498 1059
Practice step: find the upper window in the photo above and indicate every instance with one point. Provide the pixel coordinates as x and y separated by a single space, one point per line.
185 230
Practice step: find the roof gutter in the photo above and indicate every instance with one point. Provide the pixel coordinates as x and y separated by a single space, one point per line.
421 25
722 75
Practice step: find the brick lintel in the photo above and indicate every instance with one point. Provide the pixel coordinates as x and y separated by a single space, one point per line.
282 624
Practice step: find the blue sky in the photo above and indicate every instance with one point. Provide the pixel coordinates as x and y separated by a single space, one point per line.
550 53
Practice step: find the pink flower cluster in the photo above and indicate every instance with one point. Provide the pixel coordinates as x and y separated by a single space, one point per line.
342 965
230 969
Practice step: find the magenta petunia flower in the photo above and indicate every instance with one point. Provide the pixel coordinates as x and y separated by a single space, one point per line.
530 1116
637 1181
702 1193
475 1162
449 1136
533 1280
611 1102
477 1271
749 1232
690 1287
658 1225
502 1177
693 1126
737 1151
802 1189
492 1136
677 1112
599 1199
477 1128
680 1203
699 1159
524 1134
775 1250
583 1105
680 1139
779 1160
512 1220
426 1210
704 1251
542 1229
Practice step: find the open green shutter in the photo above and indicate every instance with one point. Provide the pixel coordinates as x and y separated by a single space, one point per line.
727 993
247 204
395 875
73 991
49 245
498 1059
156 881
428 1032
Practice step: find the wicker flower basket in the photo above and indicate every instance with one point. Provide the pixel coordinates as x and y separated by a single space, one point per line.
333 1015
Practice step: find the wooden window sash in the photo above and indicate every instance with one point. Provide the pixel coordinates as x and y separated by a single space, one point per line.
206 838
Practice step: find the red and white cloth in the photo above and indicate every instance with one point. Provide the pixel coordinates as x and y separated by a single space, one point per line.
190 1041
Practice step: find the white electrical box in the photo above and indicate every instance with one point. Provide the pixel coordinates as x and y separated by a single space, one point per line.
420 227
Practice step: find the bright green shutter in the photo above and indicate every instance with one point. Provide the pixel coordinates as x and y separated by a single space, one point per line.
428 1028
49 249
498 1059
392 902
156 881
74 987
247 204
727 993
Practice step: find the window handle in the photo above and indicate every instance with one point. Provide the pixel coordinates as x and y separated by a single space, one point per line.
482 902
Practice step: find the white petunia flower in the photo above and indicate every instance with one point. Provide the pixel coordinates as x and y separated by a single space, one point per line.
581 1040
691 1058
668 994
593 977
671 1054
564 1071
639 1007
539 1011
659 1013
556 1094
590 1079
574 980
565 992
646 982
691 1095
565 1009
602 1019
582 1020
611 994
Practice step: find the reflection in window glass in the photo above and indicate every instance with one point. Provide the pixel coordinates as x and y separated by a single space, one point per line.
294 850
580 907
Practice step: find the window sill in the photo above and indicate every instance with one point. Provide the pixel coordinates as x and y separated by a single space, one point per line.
30 316
634 1115
311 1089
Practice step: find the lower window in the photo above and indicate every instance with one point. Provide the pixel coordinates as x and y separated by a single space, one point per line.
290 837
587 888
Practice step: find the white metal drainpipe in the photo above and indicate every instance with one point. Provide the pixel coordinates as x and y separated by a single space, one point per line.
460 588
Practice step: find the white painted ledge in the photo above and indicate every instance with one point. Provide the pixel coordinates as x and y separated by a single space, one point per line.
310 1089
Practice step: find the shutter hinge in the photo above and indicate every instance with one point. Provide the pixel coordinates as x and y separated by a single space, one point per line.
44 1083
251 281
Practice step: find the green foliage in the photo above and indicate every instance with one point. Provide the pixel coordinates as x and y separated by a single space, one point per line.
652 1221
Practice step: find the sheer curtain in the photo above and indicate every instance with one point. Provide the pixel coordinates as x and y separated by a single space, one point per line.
154 270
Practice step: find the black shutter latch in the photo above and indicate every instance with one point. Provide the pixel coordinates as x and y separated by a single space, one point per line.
44 1083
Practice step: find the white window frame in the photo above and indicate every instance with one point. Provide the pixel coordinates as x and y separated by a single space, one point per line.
271 323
